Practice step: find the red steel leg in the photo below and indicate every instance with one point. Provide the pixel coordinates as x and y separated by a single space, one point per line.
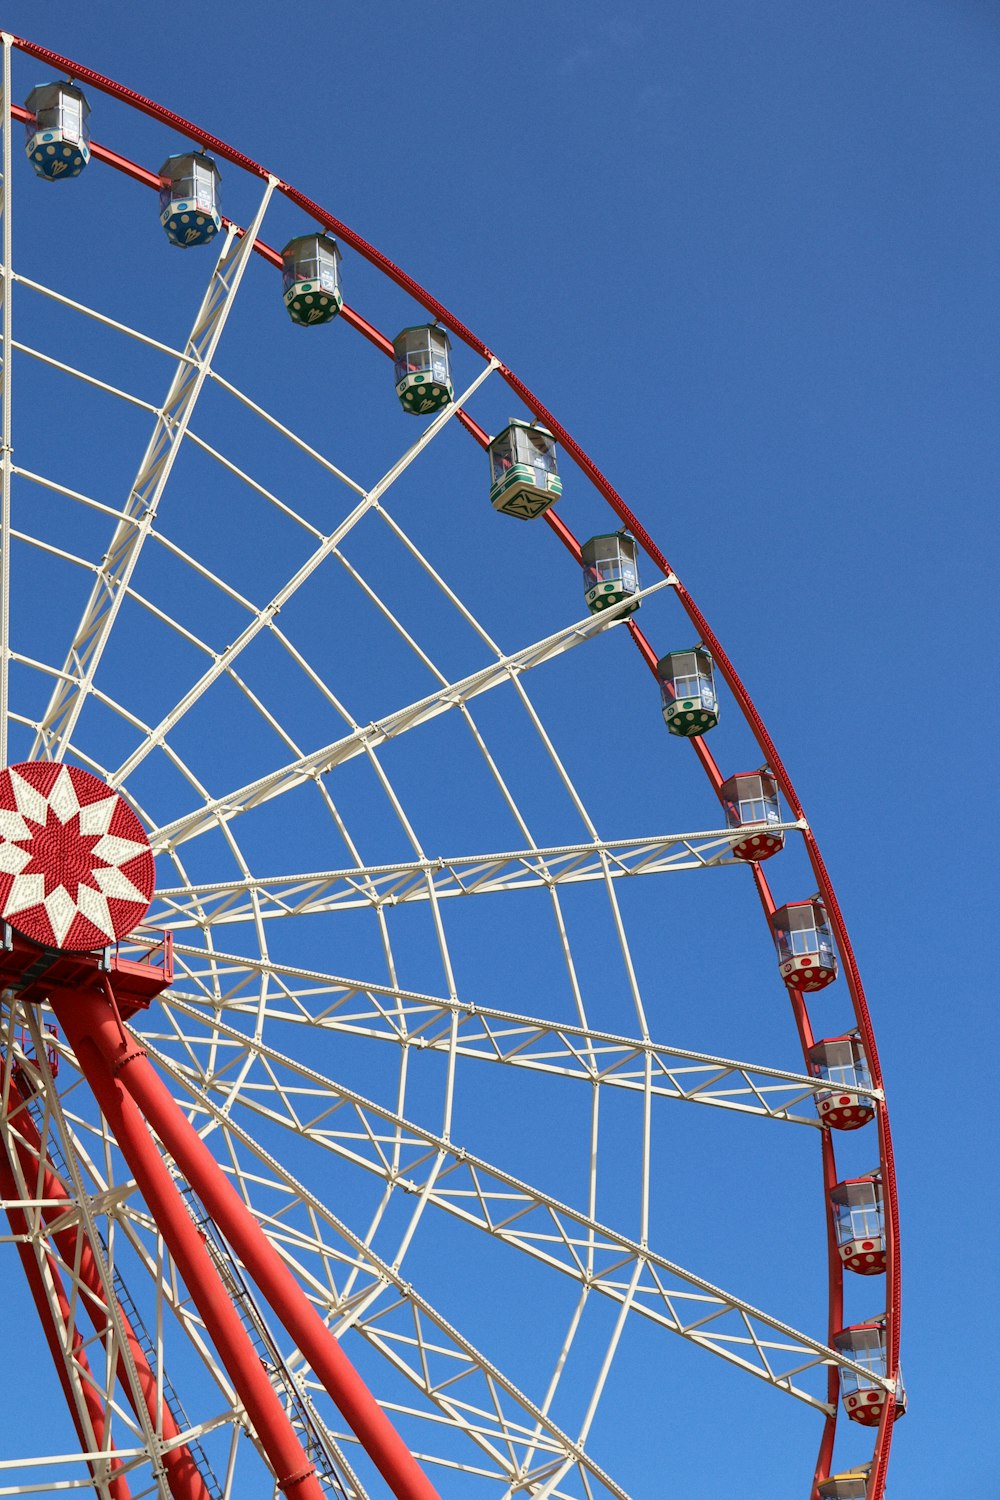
93 1027
118 1485
183 1475
295 1475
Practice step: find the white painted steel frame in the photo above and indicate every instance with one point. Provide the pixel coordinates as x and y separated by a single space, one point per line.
228 1077
452 875
147 489
225 983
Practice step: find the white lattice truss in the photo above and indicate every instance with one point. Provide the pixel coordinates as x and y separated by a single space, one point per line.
355 1288
214 1036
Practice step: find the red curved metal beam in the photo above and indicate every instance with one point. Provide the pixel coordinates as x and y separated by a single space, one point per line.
605 488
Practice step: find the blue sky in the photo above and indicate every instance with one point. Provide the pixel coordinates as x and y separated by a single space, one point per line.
747 254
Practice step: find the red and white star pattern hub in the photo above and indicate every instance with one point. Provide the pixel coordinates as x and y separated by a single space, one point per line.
76 869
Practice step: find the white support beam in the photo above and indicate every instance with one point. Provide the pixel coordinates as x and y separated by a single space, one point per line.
369 737
512 1211
408 1019
119 563
322 891
264 618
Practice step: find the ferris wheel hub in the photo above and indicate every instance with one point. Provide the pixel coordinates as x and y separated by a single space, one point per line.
76 869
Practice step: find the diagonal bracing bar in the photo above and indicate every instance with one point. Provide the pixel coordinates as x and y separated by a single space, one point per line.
266 616
109 591
322 891
407 1018
367 737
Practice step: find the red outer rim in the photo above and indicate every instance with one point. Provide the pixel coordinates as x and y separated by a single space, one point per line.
343 231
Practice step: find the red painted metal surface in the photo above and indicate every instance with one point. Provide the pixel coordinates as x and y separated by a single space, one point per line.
131 1091
57 1336
835 1292
707 636
76 869
102 1047
141 967
183 1476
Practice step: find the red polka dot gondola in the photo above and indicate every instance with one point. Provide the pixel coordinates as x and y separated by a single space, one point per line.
76 869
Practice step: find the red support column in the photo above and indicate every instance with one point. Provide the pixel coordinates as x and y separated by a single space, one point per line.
93 1027
83 1014
18 1219
183 1475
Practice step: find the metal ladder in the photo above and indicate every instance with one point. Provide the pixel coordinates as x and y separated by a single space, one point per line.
170 1396
56 1159
332 1467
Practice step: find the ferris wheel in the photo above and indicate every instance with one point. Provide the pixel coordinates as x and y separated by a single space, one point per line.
382 1110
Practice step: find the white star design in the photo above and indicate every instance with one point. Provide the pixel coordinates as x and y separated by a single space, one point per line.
54 837
61 910
27 890
29 802
94 905
117 851
12 825
63 799
96 817
13 859
116 886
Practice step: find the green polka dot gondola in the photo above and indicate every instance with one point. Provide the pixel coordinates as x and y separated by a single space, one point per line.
605 595
422 394
689 719
308 303
188 223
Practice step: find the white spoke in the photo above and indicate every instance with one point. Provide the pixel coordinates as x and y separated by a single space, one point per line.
318 762
451 1377
388 1014
513 1212
85 1198
265 617
462 875
147 489
134 333
446 1368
